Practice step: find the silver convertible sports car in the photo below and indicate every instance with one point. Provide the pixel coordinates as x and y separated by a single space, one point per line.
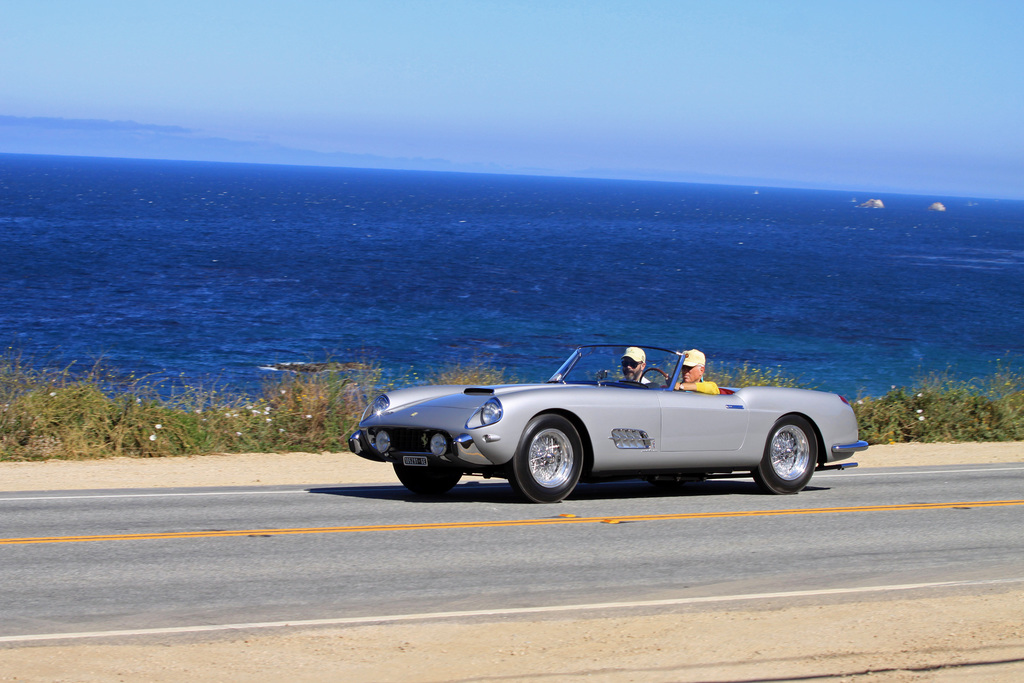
591 422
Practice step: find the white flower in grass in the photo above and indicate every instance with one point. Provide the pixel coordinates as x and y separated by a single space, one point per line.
270 419
152 437
309 417
238 433
919 411
920 395
53 393
920 418
159 426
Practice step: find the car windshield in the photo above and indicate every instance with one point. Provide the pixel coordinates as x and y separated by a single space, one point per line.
639 366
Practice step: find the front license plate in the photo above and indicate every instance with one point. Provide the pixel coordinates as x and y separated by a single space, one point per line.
414 460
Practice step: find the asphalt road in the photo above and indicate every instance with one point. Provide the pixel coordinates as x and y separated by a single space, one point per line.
188 557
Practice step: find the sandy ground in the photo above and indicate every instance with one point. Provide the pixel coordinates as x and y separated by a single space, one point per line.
314 469
975 635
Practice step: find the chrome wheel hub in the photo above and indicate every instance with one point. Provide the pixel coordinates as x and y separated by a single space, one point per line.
790 453
551 458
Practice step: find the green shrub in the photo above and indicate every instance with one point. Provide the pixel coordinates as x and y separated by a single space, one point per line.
67 413
58 414
942 409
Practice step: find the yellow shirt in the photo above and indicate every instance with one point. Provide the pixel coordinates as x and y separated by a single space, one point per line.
707 388
704 388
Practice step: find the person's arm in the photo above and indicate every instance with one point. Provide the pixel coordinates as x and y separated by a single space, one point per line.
699 387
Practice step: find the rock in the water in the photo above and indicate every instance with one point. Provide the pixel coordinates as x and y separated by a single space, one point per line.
937 206
330 366
872 204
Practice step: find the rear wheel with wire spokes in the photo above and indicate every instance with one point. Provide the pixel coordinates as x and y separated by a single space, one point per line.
790 455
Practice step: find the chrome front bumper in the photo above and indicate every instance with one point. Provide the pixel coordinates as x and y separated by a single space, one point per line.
358 445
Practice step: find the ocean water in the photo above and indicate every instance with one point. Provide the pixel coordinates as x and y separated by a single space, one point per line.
208 270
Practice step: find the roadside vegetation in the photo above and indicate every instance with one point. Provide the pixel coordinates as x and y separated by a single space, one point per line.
939 408
75 413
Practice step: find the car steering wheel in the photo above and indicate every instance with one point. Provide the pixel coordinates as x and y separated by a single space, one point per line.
658 370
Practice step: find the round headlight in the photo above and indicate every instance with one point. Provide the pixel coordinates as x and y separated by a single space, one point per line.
438 444
382 442
380 404
490 412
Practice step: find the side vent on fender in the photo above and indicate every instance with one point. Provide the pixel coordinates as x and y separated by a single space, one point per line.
632 438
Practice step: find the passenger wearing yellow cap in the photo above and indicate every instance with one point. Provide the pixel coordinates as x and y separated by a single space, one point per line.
693 374
634 362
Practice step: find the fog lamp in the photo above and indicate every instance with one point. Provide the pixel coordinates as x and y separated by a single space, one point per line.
382 442
438 444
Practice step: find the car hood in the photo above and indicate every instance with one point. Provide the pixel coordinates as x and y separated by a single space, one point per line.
462 397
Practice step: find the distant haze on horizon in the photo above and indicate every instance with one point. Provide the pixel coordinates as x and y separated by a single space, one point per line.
907 97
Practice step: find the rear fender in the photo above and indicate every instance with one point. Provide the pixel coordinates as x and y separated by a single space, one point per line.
818 438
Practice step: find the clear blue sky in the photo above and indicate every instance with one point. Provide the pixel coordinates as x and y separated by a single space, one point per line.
917 96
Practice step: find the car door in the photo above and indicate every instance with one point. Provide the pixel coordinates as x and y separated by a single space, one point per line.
694 422
624 425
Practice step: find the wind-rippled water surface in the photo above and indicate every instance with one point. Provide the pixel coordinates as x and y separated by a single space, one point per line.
214 270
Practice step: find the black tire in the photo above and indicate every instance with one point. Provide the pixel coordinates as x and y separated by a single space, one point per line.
790 456
548 462
430 481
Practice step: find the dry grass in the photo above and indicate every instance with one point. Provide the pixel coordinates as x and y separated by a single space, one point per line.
76 414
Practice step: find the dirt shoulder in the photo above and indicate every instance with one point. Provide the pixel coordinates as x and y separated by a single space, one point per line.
956 636
944 639
300 469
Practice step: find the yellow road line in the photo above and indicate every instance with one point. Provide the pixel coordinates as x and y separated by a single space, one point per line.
567 519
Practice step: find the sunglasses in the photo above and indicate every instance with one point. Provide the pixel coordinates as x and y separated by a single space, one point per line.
630 363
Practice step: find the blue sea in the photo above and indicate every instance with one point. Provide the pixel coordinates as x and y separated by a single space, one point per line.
213 271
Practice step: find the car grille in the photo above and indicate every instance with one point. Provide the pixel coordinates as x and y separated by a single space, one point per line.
405 440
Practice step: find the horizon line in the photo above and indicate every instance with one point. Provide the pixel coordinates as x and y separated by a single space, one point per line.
726 181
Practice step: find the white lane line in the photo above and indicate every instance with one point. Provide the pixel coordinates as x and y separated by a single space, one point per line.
916 472
393 618
256 492
154 495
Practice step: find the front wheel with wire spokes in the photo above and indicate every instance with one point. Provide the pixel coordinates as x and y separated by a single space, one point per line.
790 455
549 460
